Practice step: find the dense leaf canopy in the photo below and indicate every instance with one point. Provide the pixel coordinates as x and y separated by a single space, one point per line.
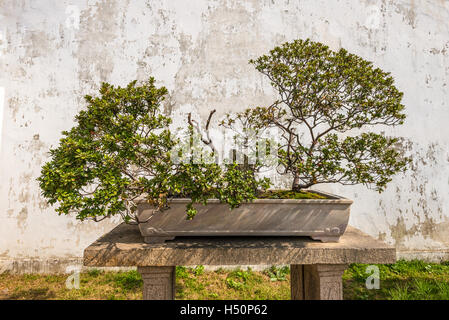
119 153
322 95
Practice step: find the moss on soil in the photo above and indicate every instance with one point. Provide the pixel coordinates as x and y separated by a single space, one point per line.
289 194
277 194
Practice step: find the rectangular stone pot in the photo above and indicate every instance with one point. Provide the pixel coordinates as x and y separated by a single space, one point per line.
321 219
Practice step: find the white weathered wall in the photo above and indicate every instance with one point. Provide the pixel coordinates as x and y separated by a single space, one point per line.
53 52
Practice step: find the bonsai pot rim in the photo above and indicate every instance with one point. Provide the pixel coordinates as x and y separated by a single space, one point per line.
331 199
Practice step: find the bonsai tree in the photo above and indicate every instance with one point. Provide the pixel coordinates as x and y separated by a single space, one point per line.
119 152
121 149
323 97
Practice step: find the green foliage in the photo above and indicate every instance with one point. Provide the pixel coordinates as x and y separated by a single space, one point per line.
400 292
421 289
127 280
182 272
404 280
278 273
239 279
198 270
94 272
323 94
234 284
120 152
204 181
102 164
240 185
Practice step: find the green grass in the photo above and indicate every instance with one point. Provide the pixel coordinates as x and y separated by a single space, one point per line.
412 280
278 273
404 280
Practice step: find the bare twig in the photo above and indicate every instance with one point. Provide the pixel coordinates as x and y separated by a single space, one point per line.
206 140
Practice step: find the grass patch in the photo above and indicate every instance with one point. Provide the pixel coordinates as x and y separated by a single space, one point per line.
278 273
228 284
94 285
94 272
127 281
405 280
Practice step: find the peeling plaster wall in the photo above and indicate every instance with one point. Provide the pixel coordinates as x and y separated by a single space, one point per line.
53 52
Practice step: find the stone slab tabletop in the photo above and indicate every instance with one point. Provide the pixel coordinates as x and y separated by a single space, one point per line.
124 246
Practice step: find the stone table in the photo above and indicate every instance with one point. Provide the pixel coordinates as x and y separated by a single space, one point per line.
316 267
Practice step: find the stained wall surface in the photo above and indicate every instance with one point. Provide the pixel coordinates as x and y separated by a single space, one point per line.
54 52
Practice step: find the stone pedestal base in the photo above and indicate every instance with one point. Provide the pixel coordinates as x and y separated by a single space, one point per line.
316 268
317 282
158 283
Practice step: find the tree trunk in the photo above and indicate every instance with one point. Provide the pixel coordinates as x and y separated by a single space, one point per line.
296 183
297 186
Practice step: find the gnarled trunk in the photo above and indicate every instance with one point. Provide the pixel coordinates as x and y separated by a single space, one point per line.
296 186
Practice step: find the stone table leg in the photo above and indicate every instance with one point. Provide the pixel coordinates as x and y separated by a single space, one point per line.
323 281
158 282
297 281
